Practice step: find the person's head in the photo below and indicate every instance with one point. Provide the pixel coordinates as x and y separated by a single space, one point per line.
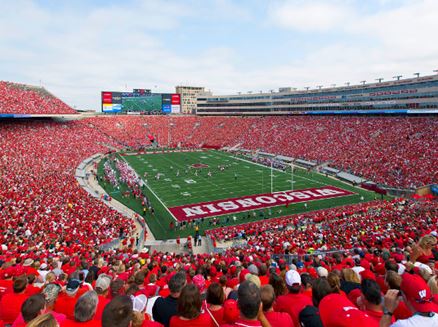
139 278
306 280
248 300
267 296
371 294
349 275
416 293
393 280
433 285
118 313
86 306
32 307
321 288
176 283
293 281
20 284
427 242
278 284
45 320
334 281
116 287
50 277
50 293
215 294
103 283
189 302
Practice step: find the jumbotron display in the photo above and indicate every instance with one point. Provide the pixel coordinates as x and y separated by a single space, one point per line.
141 101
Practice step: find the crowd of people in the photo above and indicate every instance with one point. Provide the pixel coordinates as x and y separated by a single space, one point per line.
23 99
42 206
394 151
365 264
366 286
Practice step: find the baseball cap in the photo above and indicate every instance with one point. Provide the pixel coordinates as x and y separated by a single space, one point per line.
322 272
337 311
139 302
27 262
293 277
73 286
417 292
103 282
51 292
254 279
253 269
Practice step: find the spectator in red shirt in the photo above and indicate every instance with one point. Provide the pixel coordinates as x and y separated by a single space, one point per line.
151 289
215 299
51 292
34 306
119 312
46 320
85 310
189 310
65 303
10 303
370 300
102 287
294 301
276 319
250 307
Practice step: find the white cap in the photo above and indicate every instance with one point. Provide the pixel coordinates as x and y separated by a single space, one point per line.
322 272
139 302
293 277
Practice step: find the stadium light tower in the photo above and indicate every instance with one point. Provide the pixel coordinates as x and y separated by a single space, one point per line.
417 74
347 83
319 87
363 82
436 71
397 77
380 79
333 85
307 88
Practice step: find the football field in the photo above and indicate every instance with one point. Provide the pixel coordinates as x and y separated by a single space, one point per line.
184 187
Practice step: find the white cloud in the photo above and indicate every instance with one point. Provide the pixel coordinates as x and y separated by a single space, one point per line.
78 52
309 16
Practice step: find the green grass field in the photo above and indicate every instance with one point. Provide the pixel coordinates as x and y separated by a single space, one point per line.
241 178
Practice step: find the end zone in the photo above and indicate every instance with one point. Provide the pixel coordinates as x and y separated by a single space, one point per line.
254 202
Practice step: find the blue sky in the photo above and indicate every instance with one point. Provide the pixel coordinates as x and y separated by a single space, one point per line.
78 48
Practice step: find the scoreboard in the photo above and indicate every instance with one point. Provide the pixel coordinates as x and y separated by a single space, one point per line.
141 101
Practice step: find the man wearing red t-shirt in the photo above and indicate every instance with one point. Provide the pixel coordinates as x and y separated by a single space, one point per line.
276 319
65 303
10 304
102 288
84 312
249 303
294 301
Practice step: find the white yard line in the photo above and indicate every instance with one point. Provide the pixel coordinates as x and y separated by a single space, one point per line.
279 170
162 203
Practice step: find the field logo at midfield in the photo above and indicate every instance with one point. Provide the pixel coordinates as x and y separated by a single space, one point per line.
199 165
255 202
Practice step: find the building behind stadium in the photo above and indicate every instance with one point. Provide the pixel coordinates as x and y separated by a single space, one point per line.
404 96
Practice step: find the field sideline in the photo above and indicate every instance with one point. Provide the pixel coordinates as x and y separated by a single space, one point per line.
219 176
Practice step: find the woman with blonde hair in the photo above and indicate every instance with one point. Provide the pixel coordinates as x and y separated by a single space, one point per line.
45 320
350 280
422 251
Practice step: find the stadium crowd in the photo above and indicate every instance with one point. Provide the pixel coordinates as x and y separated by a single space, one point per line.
392 151
23 99
54 273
